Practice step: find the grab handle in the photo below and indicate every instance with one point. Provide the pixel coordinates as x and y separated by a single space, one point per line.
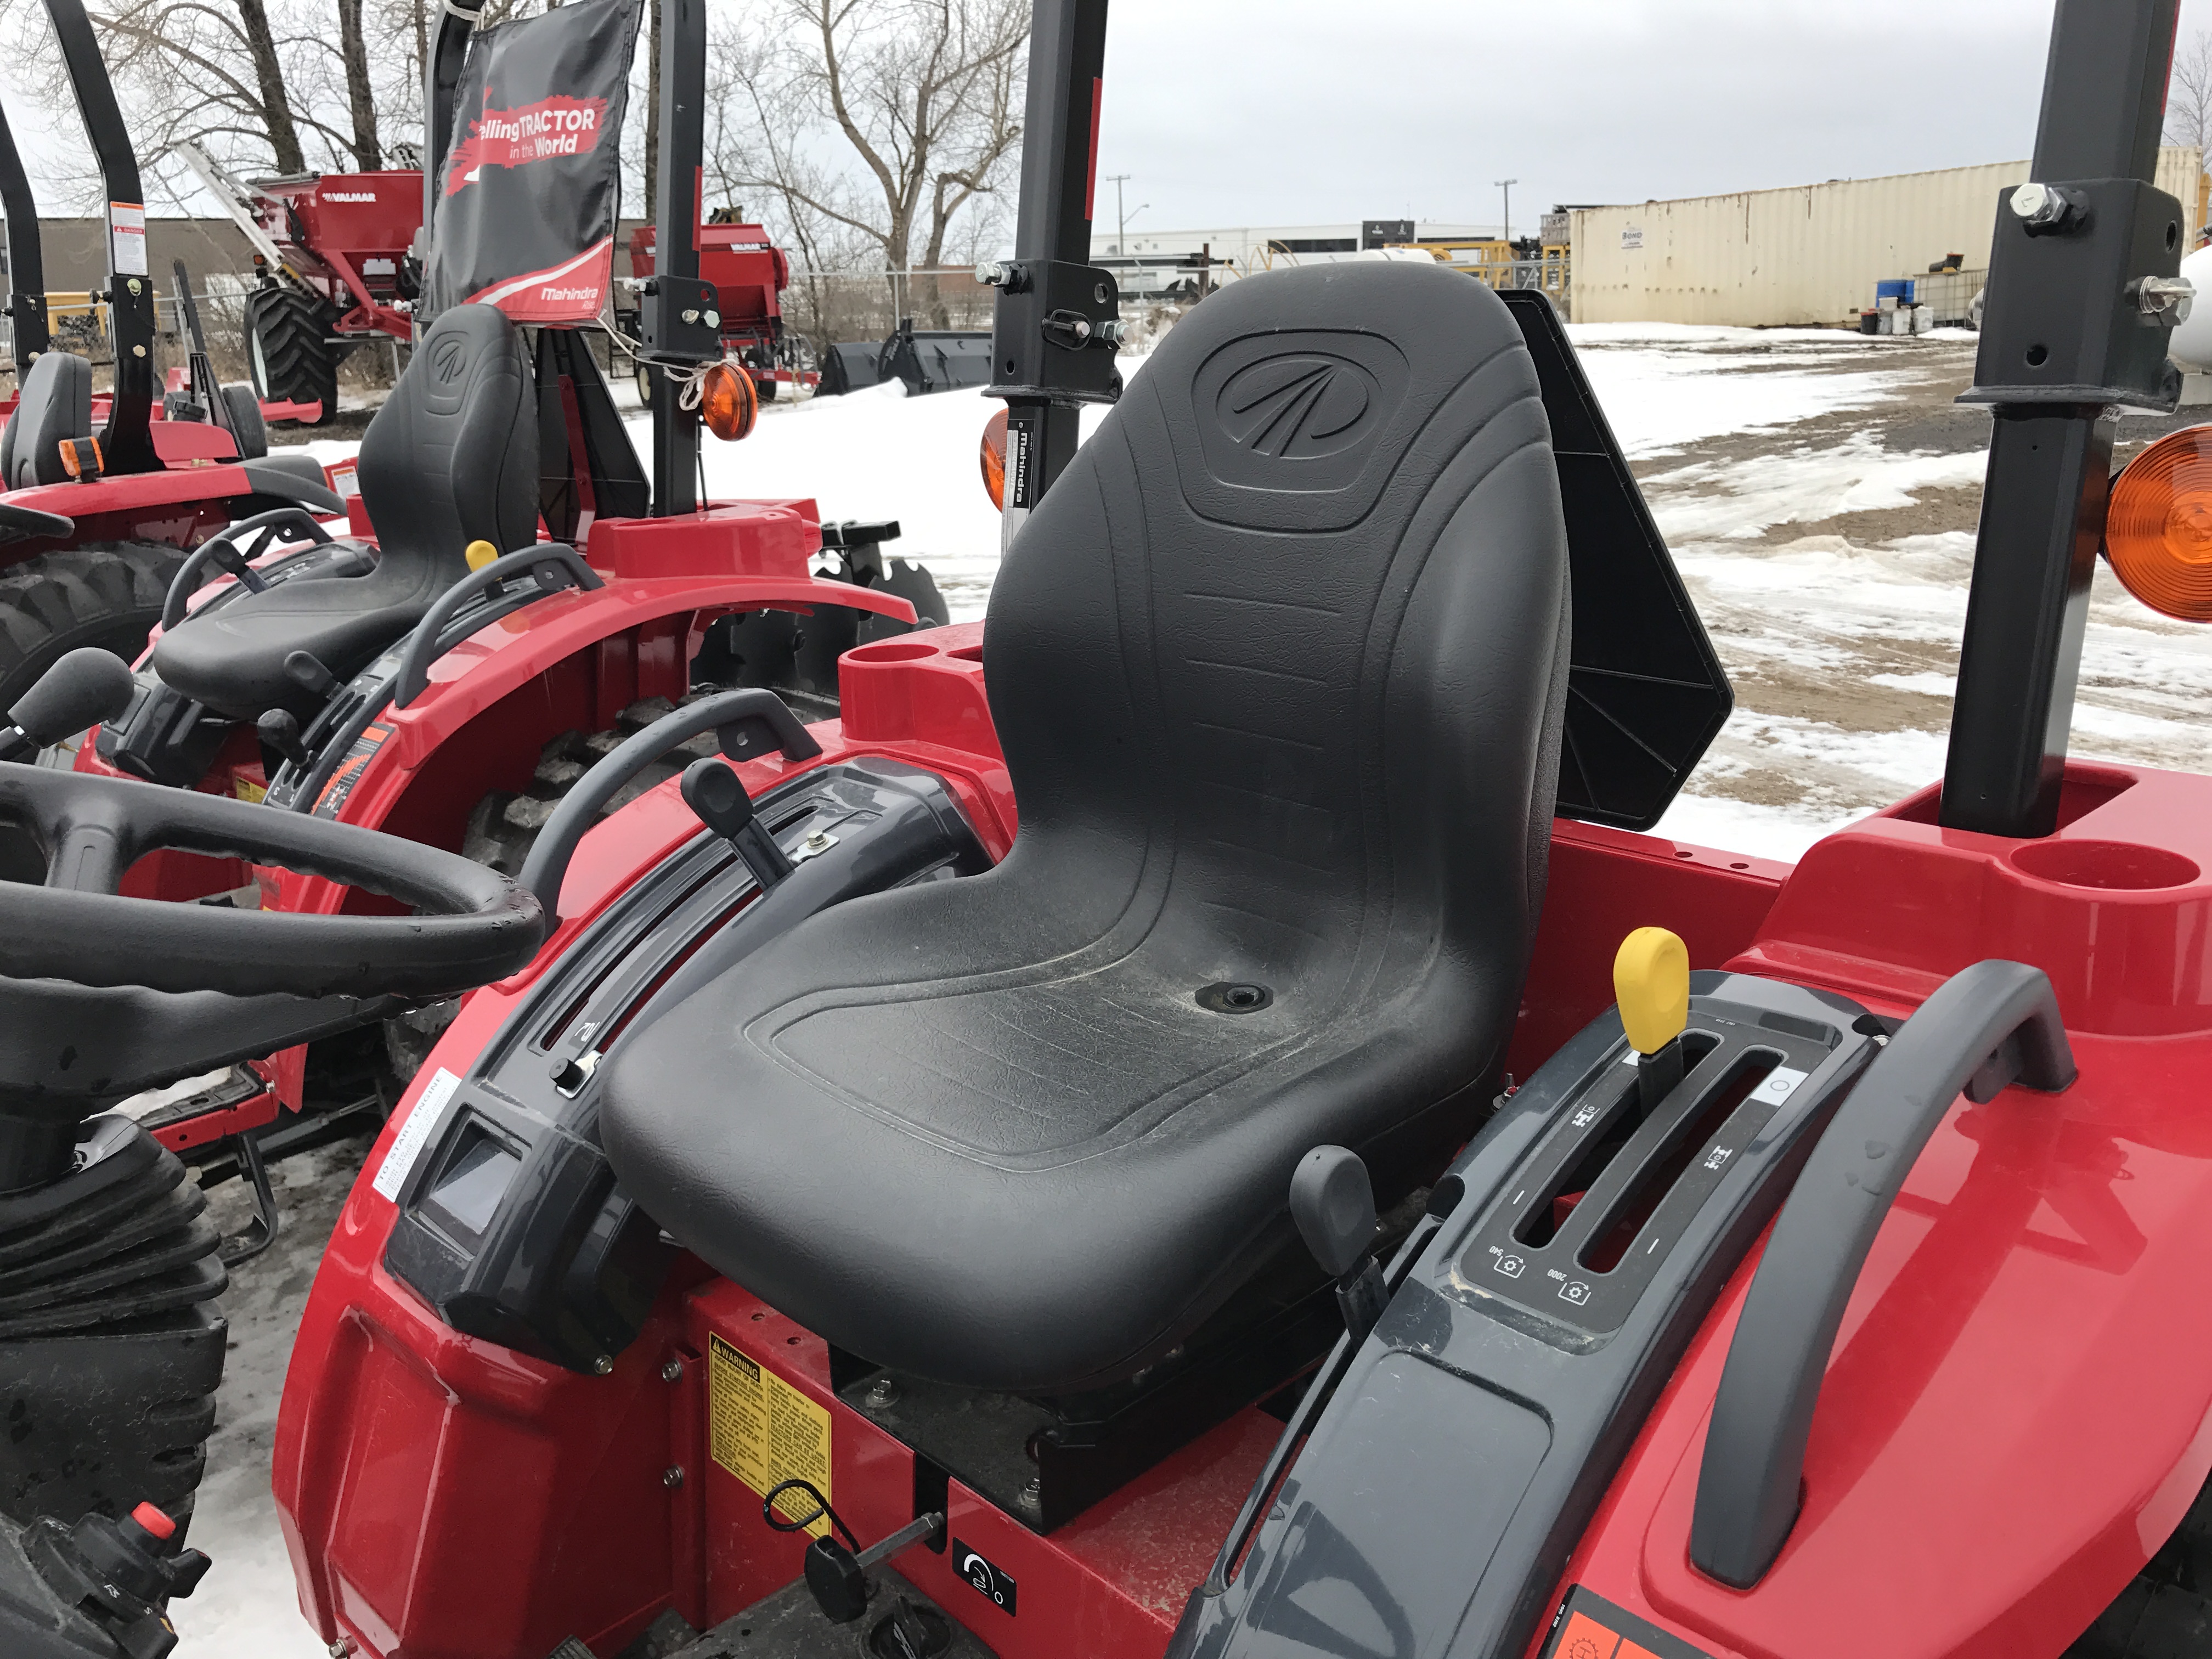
221 551
735 717
555 564
1994 1023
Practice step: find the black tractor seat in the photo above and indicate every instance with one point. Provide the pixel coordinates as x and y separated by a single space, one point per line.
451 459
1278 668
54 405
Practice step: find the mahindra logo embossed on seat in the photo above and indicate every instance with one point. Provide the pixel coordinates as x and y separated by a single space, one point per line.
1298 406
448 360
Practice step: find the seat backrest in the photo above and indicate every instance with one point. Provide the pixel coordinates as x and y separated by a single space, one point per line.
55 404
1288 636
452 458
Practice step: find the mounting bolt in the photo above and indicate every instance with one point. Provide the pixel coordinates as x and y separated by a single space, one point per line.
1033 1492
672 1476
2167 298
818 842
603 1364
341 1647
2042 206
714 319
992 273
138 352
883 1392
673 1371
690 314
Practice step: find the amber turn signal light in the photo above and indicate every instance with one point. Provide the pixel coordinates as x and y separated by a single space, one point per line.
2158 532
994 459
727 402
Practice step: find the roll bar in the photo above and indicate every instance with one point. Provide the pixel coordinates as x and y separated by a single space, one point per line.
27 270
127 445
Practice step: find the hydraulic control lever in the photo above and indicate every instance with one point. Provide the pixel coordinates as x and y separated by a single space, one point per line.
1651 983
837 1571
717 795
1333 1202
85 687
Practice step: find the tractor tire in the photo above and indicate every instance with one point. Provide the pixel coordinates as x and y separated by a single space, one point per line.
503 827
245 412
288 350
103 593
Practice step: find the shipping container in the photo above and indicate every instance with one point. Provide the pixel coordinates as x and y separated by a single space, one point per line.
1814 254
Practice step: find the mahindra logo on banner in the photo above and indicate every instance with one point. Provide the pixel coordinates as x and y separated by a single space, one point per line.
515 137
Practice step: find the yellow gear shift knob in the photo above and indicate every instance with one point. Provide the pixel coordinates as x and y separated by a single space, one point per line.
1651 983
479 554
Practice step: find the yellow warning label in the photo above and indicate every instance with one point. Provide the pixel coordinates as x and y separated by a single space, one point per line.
764 1432
246 790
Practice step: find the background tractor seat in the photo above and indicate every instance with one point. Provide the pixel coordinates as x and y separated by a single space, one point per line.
1278 666
56 404
452 458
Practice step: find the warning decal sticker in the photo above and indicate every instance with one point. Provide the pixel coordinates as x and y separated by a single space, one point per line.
764 1432
1590 1627
333 800
126 236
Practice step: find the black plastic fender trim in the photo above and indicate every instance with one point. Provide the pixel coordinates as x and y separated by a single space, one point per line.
1989 1025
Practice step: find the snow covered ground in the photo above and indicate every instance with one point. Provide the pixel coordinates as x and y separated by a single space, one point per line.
1818 490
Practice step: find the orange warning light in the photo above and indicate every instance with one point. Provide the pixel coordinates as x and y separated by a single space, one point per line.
728 402
994 459
2158 532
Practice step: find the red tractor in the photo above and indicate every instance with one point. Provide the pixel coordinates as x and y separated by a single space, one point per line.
103 495
339 264
1194 1121
749 273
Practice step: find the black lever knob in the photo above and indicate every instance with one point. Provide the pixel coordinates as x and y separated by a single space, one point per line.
305 669
84 688
1333 1202
717 796
280 732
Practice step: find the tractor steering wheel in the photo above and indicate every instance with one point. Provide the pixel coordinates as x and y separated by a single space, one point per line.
472 926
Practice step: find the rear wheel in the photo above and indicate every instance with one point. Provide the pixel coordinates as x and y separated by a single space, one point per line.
288 351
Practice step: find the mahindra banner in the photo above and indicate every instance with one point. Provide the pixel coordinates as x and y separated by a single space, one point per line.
527 195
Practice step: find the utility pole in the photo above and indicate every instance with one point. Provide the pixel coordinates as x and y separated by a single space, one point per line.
1506 185
1120 219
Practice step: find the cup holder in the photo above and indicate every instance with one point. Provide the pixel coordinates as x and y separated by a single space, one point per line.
891 651
2114 866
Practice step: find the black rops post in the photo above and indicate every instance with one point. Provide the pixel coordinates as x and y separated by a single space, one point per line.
678 324
449 52
27 271
1057 317
127 445
2082 298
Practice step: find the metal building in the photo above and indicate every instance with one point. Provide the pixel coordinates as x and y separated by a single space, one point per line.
1807 255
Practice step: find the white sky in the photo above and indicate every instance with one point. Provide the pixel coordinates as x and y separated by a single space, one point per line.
1288 112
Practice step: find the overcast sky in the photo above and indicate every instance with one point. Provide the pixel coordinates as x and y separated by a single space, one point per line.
1295 111
1287 111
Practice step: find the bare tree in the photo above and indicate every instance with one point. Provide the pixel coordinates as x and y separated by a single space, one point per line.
871 123
2189 96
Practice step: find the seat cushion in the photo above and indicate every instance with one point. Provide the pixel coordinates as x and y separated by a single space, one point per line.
1276 665
232 658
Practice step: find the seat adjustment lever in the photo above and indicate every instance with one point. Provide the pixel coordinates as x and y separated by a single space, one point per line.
1333 1202
714 792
